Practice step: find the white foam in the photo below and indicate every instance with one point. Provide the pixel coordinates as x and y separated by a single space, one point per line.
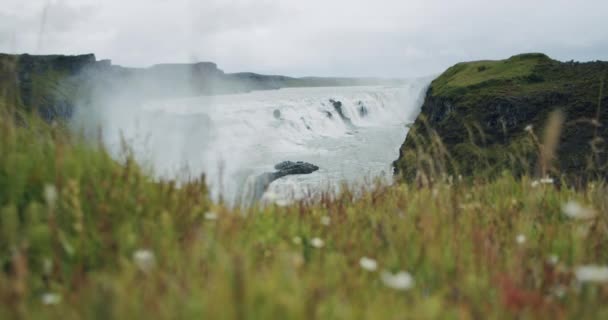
232 138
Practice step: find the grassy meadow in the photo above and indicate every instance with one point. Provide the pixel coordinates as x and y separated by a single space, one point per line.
84 236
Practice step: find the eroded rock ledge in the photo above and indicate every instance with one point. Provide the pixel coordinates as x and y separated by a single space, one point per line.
480 111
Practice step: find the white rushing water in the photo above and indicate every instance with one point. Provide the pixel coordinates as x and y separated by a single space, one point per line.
235 138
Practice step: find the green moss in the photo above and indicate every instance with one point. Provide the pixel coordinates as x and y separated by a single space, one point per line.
472 74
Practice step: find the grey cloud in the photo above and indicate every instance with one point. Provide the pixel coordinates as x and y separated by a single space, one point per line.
314 37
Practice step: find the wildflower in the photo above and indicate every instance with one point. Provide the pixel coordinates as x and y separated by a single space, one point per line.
575 210
546 180
296 240
325 220
211 216
560 291
368 264
144 259
553 259
50 299
529 128
317 243
399 281
592 273
50 194
520 239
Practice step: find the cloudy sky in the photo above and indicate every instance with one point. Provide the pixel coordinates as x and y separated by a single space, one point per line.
308 37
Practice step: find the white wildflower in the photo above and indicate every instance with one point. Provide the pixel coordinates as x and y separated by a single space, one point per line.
144 259
553 259
50 194
529 128
210 216
317 243
325 220
575 210
50 299
592 273
399 281
368 264
560 291
546 180
520 239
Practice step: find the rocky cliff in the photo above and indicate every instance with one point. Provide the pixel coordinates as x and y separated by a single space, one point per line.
52 85
46 84
488 116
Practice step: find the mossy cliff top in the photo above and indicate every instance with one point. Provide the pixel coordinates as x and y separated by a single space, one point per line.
477 113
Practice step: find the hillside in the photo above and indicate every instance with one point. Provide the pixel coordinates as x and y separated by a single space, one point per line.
52 85
490 116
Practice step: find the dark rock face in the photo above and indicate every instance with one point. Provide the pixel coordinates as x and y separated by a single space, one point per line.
47 84
363 112
289 167
285 168
338 107
53 84
481 117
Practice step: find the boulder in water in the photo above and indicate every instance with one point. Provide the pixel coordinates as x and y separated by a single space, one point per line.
299 167
284 168
362 109
338 107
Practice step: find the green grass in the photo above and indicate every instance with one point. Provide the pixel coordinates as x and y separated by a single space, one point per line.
83 235
469 74
72 220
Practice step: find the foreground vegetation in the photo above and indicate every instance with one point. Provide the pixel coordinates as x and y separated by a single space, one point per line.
84 236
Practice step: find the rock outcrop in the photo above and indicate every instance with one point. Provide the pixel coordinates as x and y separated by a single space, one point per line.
475 117
338 107
285 168
44 84
52 85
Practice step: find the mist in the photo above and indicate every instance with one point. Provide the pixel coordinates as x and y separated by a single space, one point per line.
181 121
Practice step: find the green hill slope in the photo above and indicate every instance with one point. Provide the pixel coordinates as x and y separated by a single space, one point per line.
478 113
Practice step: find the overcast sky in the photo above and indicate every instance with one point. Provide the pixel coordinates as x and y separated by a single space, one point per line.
308 37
